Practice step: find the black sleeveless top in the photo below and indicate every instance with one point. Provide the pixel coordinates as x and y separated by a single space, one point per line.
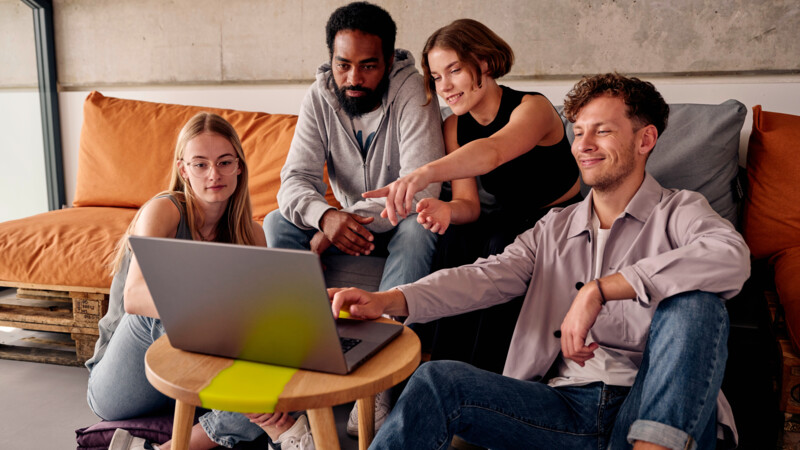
532 180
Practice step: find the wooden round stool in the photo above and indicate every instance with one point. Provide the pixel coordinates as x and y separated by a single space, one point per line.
184 375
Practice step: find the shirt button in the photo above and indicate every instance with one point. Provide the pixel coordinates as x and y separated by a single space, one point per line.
578 285
557 334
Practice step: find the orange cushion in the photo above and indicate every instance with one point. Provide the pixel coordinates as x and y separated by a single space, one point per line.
126 151
67 247
772 214
787 284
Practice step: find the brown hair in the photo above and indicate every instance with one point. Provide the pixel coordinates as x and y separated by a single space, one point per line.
235 225
472 42
644 102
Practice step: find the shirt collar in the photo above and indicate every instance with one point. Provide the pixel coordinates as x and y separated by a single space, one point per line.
640 206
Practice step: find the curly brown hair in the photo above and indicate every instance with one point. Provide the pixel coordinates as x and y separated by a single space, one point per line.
645 104
472 42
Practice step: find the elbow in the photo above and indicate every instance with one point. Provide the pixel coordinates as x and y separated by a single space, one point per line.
473 212
128 301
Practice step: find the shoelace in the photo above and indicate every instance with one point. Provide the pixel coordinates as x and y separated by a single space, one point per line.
306 442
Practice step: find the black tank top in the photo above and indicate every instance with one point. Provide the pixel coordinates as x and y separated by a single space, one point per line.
532 180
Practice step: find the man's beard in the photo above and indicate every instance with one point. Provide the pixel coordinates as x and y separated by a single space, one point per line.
356 106
615 176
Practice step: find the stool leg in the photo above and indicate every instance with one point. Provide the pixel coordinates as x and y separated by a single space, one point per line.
366 421
323 428
182 426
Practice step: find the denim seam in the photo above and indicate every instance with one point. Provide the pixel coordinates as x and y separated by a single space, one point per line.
525 422
711 368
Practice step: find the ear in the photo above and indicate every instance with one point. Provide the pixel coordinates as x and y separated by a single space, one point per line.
649 136
484 67
181 169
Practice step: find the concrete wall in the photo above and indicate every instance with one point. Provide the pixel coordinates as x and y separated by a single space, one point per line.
148 42
261 55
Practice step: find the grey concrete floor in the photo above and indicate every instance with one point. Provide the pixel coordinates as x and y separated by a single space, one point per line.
41 406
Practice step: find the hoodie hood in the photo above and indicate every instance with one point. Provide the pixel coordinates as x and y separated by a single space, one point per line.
402 69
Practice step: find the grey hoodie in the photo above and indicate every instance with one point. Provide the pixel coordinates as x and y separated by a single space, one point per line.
409 136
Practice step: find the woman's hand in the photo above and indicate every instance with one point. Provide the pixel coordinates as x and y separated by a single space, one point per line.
400 194
277 419
434 215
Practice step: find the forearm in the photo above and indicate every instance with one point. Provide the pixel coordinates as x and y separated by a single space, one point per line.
475 158
395 302
463 211
614 287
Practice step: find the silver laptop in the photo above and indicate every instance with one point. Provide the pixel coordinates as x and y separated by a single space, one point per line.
253 303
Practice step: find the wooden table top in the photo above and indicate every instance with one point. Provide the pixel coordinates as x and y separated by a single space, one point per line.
182 375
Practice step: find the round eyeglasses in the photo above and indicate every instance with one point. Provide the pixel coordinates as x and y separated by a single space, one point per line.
201 167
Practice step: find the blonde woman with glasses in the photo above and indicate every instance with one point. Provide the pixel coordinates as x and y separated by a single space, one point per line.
207 200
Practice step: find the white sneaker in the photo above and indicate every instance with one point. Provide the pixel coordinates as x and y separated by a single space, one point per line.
123 440
381 411
298 437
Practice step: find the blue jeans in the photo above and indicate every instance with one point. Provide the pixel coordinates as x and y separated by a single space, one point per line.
118 388
671 403
408 247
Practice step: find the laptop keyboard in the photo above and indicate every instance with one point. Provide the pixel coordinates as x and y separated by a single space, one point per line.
348 343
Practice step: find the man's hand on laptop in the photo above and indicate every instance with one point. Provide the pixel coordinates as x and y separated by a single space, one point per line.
361 304
347 232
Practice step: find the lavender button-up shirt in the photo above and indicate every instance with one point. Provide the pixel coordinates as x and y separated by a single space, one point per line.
665 242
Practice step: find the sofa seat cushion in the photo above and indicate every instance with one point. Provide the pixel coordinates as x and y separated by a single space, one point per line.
67 248
772 206
126 150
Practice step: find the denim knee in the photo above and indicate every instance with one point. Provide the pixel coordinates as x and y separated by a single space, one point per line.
692 313
281 233
437 376
413 237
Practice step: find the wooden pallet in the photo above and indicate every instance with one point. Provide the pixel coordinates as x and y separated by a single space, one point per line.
790 361
60 309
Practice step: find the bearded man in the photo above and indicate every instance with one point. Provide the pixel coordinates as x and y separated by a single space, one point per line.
364 117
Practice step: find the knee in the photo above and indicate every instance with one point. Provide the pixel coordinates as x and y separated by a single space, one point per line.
281 233
100 405
410 235
693 312
694 304
273 223
435 376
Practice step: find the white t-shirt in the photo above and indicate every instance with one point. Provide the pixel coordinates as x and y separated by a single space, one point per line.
607 366
364 128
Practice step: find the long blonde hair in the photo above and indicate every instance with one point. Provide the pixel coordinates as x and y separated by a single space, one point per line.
235 226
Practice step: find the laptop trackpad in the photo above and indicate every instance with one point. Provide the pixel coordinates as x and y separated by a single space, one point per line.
373 337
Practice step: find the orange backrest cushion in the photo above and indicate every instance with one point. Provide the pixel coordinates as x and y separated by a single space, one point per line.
772 206
126 151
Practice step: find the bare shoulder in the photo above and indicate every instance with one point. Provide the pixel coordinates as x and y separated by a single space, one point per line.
159 217
258 233
538 110
537 103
